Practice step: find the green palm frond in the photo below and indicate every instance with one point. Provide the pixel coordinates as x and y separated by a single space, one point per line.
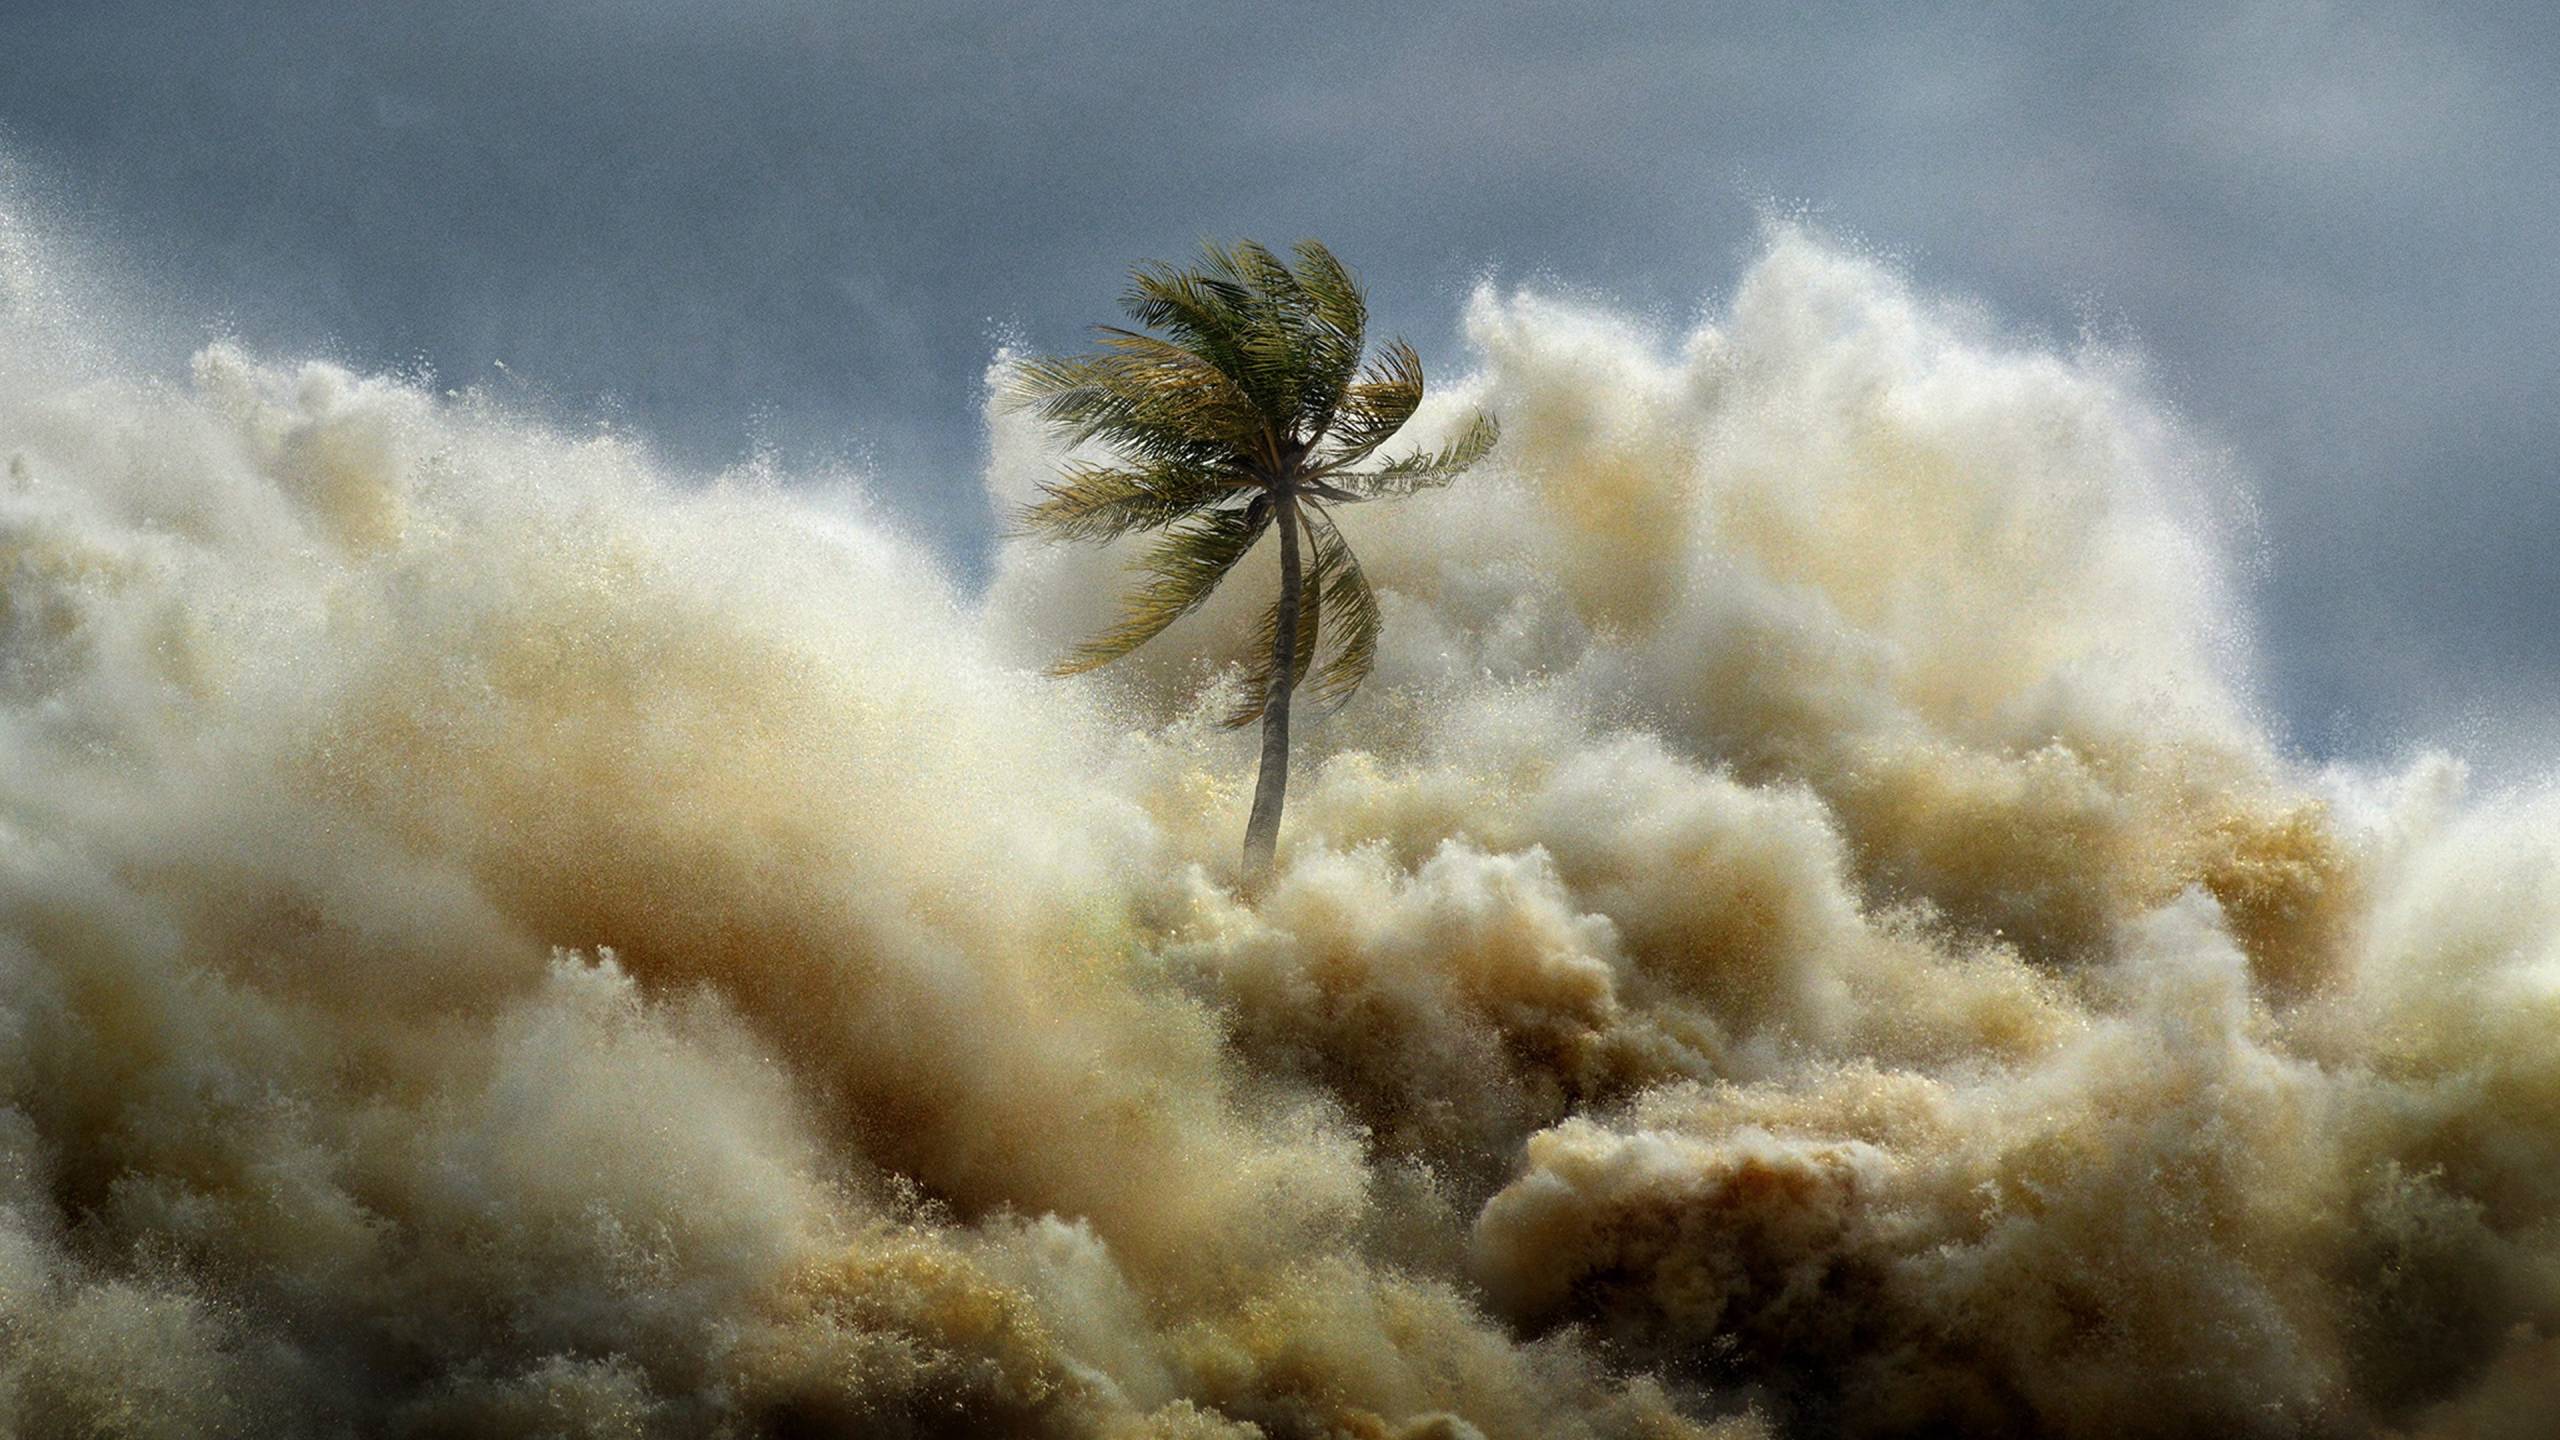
1152 361
1181 570
1279 350
1204 312
1353 607
1209 315
1374 408
1226 311
1426 470
1095 503
1338 317
1145 406
1266 634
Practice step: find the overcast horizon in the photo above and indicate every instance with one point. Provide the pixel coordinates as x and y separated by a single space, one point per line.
2328 227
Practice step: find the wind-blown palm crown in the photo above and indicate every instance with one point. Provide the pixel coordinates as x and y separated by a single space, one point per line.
1243 406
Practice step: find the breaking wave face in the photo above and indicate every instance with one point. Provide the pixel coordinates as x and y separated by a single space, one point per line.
1805 935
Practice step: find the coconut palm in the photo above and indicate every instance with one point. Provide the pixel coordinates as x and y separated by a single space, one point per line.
1242 406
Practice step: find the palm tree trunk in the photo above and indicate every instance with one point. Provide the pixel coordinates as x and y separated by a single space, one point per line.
1262 832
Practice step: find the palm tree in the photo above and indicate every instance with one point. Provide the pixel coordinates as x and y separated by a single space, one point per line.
1242 405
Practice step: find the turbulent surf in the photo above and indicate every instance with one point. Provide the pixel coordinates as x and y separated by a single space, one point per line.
1807 934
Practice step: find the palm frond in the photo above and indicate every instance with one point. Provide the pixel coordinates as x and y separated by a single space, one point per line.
1279 348
1330 288
1096 503
1338 319
1204 311
1147 406
1224 310
1353 607
1387 393
1426 470
1182 570
1266 634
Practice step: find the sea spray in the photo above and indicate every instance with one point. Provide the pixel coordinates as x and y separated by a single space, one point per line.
1804 936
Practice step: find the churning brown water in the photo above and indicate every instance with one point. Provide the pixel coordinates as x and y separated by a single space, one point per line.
1804 936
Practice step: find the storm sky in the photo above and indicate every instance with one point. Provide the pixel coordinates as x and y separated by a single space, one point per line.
2330 227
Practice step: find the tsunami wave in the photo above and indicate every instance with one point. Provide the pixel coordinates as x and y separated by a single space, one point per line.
1806 934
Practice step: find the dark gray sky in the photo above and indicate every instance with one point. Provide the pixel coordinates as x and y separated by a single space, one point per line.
2331 225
